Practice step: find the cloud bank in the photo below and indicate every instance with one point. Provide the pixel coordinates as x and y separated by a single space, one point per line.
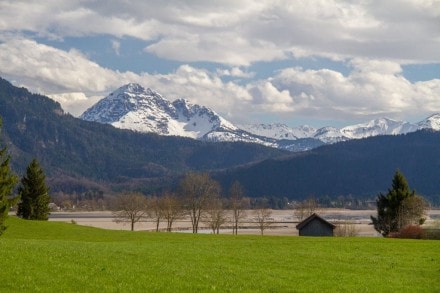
373 39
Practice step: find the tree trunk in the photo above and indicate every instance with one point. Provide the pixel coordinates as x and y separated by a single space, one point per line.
157 224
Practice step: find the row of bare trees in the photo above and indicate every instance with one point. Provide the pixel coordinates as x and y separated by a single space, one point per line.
198 197
134 207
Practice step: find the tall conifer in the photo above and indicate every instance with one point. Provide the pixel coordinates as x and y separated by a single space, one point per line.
390 207
34 194
7 184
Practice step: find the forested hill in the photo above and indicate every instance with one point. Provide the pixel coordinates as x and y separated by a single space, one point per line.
77 154
359 168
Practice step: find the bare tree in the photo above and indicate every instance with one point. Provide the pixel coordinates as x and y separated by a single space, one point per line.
215 214
346 228
237 204
263 217
155 210
196 190
305 208
171 209
131 208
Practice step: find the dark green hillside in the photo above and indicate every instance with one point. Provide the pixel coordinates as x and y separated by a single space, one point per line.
71 150
358 167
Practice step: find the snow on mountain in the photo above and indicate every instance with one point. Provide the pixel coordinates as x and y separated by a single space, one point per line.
279 130
329 134
432 122
144 110
382 126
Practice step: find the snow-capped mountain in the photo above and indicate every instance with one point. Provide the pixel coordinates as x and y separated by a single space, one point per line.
145 110
382 126
432 122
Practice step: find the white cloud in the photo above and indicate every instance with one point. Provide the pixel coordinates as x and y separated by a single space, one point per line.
76 82
241 32
75 103
373 88
43 67
235 72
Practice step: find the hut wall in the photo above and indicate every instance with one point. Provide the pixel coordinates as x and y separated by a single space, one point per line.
316 228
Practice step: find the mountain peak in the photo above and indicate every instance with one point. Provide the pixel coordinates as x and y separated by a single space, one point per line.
134 90
144 110
432 122
132 87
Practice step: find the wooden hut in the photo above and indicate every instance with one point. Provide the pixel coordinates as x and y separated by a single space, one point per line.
314 225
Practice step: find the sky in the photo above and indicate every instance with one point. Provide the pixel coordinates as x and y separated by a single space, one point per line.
320 63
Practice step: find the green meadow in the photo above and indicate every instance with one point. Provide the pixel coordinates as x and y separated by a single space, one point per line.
62 257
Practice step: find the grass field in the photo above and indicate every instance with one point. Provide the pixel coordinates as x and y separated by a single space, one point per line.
61 257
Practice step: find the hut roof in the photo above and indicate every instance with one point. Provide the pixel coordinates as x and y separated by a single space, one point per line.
311 218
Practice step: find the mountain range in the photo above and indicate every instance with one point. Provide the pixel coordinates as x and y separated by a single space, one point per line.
358 168
144 110
79 156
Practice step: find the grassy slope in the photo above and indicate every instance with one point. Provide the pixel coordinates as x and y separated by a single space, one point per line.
60 257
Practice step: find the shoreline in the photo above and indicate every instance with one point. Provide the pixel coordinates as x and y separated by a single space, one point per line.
284 222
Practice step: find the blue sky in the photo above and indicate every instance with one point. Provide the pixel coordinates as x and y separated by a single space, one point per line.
295 62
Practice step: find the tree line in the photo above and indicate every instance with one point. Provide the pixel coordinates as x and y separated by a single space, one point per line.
199 198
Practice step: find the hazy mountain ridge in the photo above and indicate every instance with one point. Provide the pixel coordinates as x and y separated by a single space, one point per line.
145 110
357 168
381 126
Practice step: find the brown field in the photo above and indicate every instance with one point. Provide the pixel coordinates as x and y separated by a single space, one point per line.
284 222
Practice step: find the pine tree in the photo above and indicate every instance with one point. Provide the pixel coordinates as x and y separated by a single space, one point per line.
34 194
7 184
390 207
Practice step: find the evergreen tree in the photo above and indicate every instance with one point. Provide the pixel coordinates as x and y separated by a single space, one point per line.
7 183
391 208
34 194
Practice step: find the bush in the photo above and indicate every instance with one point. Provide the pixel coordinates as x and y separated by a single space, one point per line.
410 232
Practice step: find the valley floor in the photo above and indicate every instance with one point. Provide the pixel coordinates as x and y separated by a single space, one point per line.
284 222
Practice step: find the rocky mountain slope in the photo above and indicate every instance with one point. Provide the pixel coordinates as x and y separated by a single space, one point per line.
144 110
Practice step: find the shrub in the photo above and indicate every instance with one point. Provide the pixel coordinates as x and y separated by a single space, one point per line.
410 232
